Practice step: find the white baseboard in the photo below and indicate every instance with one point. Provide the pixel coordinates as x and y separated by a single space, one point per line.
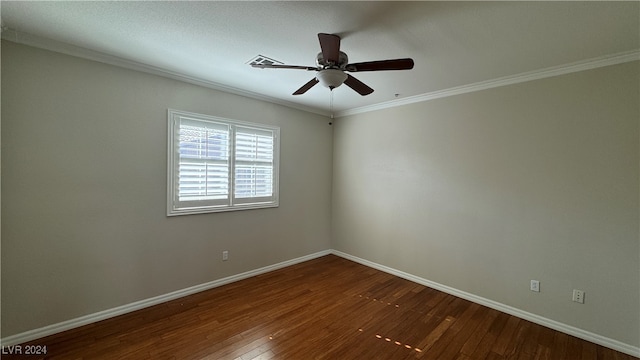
120 310
555 325
106 314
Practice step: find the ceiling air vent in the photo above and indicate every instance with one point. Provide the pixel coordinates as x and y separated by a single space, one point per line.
263 60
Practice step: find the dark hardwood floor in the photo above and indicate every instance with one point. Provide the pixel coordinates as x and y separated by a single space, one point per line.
327 308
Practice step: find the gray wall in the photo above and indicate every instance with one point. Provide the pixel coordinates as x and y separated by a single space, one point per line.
485 191
84 225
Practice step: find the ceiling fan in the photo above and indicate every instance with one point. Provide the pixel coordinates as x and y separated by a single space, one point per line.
331 65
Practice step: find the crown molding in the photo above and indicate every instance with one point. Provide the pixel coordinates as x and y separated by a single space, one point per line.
68 49
84 53
588 64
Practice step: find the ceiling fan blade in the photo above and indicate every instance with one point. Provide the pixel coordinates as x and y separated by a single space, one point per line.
357 85
330 45
306 87
276 66
395 64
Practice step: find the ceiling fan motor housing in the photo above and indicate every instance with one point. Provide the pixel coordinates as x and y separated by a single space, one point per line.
343 60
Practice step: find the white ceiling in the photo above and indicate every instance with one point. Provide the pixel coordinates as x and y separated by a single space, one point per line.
452 43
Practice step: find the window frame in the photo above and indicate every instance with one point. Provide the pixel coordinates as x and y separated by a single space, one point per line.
231 203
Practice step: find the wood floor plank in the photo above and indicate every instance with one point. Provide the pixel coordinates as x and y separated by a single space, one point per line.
462 331
519 340
503 339
326 308
484 347
471 344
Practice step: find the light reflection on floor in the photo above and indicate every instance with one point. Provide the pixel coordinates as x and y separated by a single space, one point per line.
387 339
396 342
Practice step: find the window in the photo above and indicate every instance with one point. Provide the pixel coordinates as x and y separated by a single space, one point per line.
217 164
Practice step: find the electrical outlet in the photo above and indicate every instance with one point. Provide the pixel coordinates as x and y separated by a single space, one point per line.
578 296
225 255
535 285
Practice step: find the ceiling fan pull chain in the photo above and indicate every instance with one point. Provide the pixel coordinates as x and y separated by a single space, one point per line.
331 102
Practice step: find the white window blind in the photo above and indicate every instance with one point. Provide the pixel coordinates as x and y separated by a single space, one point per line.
253 163
220 165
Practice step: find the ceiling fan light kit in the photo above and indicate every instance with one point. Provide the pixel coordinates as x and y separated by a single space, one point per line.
331 78
331 64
